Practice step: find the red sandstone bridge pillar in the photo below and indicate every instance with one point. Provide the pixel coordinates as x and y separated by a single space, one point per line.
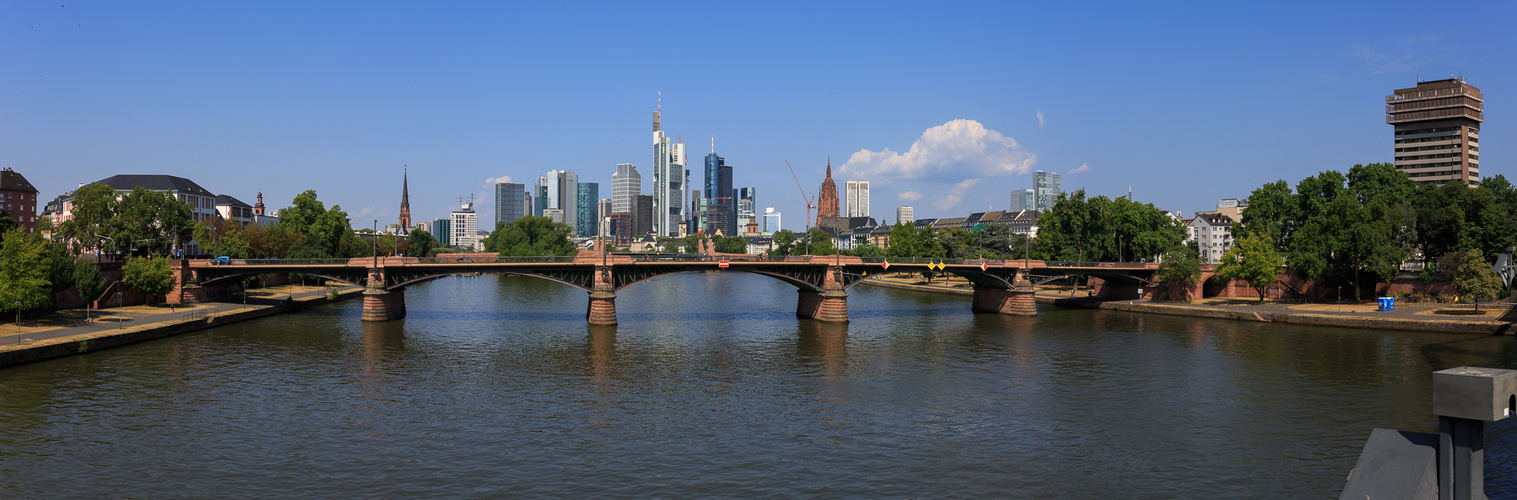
1017 300
602 308
380 304
830 305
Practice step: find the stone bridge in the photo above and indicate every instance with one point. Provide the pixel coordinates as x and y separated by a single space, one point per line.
822 282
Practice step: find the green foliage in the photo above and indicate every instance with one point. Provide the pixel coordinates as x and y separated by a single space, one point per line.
419 243
1180 267
1271 210
59 264
302 213
223 237
904 241
531 236
1252 259
150 276
152 221
23 272
7 223
93 216
87 278
731 244
1352 232
1102 229
693 242
1474 278
784 243
821 242
867 250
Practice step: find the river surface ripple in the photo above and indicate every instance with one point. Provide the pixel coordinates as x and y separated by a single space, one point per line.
711 387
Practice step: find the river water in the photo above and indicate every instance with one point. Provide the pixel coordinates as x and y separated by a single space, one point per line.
710 387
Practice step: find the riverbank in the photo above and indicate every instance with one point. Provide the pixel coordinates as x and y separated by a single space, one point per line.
111 330
1500 320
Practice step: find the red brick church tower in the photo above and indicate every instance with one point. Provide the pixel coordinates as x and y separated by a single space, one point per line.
827 198
405 204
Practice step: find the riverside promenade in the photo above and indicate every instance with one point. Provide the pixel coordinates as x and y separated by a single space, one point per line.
36 340
1495 319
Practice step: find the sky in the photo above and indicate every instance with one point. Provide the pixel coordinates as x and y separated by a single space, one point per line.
945 107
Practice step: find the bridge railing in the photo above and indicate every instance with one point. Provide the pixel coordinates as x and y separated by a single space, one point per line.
280 262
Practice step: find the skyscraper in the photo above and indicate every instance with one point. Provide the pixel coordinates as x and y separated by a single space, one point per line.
405 203
563 194
442 232
858 198
642 215
509 202
905 215
1438 130
464 227
1023 199
771 221
540 193
827 197
604 224
625 184
587 209
747 200
669 179
720 210
1045 189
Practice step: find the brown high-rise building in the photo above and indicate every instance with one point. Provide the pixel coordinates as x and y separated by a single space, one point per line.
1438 131
827 198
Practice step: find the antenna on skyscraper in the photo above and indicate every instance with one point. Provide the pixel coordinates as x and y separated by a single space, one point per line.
713 143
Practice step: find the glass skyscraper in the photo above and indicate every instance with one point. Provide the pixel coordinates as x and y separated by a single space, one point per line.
626 184
1045 188
669 179
587 209
508 202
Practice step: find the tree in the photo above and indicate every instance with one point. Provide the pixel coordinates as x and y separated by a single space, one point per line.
821 242
1351 233
88 281
302 213
93 216
903 240
531 236
868 250
1474 277
1252 259
7 223
23 272
731 244
152 221
1271 210
784 243
1180 267
150 276
419 243
693 242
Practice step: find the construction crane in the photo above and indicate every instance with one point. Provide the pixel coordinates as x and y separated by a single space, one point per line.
809 205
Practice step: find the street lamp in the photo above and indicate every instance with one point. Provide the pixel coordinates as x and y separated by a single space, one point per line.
113 246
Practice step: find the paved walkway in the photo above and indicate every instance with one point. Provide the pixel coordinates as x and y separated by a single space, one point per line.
109 321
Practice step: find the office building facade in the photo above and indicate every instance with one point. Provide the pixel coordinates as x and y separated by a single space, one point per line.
625 184
907 215
1437 131
1023 199
441 231
771 221
747 201
587 209
669 181
1046 189
464 227
858 198
509 202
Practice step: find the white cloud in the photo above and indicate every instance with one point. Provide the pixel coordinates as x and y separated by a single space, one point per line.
959 148
1380 63
910 195
491 181
1041 121
1082 168
366 211
955 195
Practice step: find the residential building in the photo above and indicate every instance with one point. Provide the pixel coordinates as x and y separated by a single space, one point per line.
905 214
1023 199
587 209
405 204
464 227
441 231
1045 189
827 197
19 198
1233 208
858 198
202 202
510 201
1437 130
1210 231
669 181
771 221
229 208
625 184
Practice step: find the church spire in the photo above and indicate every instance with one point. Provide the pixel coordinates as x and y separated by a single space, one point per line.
405 202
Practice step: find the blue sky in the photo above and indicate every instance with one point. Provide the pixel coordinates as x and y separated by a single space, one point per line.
1187 103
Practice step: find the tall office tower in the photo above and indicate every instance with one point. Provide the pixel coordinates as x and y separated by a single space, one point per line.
526 204
747 198
604 209
625 184
697 210
905 215
587 209
441 231
1045 189
642 215
540 191
508 202
721 210
405 203
771 221
563 194
1023 199
464 226
827 197
858 198
669 180
1438 130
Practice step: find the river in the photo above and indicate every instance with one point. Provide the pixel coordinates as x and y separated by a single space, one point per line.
710 387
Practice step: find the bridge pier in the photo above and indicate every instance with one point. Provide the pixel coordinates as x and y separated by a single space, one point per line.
602 308
1017 300
830 306
380 304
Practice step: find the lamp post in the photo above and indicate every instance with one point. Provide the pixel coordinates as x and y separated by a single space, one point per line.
113 244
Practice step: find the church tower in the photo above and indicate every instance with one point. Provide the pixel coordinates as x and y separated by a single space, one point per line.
258 207
405 203
827 198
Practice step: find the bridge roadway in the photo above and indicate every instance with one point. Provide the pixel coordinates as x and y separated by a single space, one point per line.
822 282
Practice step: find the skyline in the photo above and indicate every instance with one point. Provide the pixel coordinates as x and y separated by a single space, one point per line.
944 109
